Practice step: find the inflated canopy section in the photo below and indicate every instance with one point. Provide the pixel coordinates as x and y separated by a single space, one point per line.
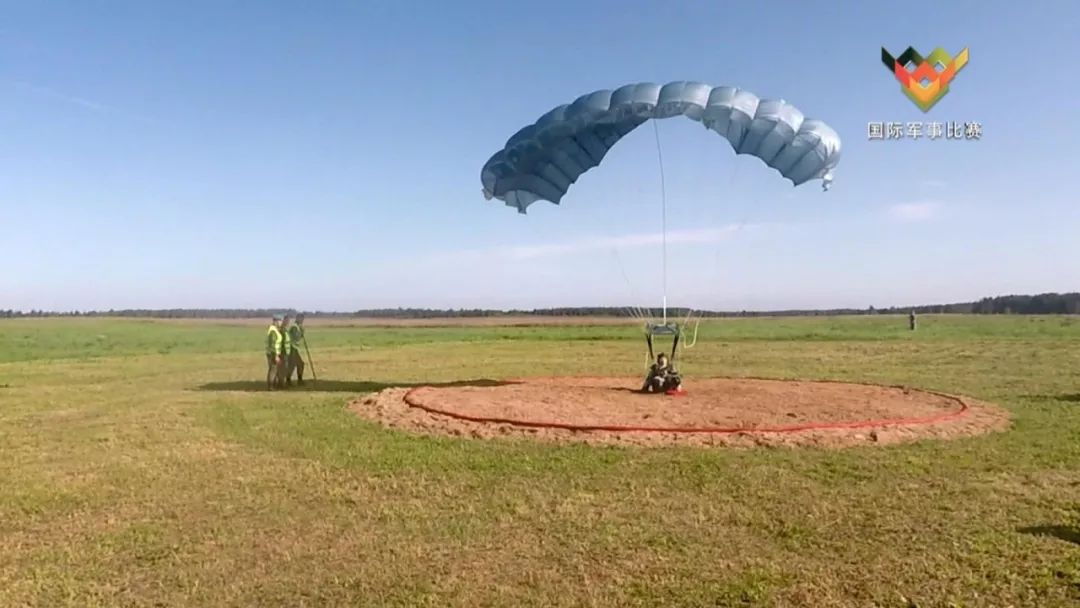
542 160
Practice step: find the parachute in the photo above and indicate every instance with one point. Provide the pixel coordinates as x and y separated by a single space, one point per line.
542 160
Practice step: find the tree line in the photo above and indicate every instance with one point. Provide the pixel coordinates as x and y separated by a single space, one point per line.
1041 304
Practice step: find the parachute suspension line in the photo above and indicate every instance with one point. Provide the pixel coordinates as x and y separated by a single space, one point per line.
663 212
635 311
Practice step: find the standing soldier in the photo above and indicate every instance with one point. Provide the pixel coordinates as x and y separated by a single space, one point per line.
911 320
286 350
275 363
296 361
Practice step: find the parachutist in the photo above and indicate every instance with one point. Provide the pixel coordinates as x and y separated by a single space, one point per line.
541 161
662 378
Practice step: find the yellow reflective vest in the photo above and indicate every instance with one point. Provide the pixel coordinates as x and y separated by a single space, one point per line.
274 341
287 339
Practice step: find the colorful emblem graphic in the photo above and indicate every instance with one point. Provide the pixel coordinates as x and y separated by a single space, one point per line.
924 80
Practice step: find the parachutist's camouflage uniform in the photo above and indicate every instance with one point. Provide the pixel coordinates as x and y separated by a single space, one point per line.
661 379
654 380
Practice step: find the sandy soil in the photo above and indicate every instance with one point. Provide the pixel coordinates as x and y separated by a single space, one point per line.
749 412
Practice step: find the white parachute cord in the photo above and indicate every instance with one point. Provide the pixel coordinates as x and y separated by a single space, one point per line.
731 186
663 211
635 311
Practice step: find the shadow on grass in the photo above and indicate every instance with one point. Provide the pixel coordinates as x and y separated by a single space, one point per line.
341 386
1068 534
1068 397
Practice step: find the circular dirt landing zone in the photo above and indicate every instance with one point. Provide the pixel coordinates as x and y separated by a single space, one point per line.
713 412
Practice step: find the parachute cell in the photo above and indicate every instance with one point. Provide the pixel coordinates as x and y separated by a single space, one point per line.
542 160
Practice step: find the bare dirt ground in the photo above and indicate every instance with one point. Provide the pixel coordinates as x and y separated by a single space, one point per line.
714 412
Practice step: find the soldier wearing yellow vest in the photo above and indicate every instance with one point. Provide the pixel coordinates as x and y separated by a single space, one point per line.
275 354
295 335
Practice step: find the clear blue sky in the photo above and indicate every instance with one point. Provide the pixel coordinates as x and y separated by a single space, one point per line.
327 156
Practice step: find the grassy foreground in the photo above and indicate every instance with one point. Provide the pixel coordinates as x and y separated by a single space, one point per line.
141 464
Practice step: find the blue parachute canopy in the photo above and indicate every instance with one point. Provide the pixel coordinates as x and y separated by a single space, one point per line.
542 160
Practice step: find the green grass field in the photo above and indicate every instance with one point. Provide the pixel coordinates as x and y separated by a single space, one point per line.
142 464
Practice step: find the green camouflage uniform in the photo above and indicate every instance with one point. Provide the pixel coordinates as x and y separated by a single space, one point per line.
286 350
661 379
295 335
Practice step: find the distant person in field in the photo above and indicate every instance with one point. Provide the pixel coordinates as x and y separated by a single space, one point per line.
275 353
295 333
662 377
911 320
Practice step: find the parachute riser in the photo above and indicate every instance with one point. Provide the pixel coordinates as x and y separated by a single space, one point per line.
663 329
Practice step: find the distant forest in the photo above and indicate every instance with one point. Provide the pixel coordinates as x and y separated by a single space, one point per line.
1041 304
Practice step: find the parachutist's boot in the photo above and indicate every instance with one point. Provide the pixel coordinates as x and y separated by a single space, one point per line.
300 381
